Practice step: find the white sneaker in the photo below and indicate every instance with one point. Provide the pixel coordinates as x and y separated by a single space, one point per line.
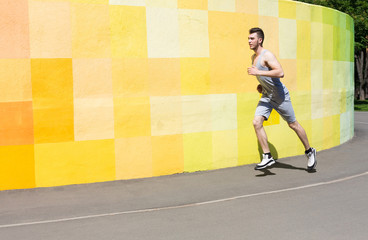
312 161
266 162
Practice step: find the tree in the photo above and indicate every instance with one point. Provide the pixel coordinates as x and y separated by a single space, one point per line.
358 10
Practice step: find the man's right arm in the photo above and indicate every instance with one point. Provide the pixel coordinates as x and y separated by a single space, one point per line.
274 65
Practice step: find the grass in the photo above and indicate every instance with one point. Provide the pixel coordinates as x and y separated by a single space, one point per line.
361 105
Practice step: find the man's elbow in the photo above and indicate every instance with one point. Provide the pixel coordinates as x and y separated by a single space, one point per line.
281 74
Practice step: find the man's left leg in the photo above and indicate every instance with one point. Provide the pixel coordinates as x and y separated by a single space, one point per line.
299 130
286 110
309 152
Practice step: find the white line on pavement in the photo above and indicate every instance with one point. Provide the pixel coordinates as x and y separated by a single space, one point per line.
182 206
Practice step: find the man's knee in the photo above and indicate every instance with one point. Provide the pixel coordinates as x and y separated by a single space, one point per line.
294 125
258 122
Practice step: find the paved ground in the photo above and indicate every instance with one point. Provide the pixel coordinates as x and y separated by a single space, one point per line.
285 202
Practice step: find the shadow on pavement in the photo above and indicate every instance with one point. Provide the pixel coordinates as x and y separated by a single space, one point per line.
274 153
267 172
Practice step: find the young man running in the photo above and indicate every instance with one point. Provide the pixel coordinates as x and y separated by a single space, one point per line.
274 96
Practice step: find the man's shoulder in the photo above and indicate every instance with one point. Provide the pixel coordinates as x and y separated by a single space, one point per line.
268 54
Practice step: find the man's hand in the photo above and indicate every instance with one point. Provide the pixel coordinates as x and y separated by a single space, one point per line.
253 71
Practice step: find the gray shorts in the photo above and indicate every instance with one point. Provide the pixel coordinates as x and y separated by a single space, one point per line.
282 106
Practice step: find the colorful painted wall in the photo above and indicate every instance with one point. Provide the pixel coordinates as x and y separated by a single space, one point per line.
99 90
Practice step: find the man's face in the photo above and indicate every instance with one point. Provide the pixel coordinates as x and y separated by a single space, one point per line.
254 41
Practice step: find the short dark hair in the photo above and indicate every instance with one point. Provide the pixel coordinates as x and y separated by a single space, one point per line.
259 32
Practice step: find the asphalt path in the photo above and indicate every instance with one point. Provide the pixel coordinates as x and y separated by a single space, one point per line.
284 202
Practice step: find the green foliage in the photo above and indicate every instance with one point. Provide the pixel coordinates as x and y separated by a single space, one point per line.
361 105
358 10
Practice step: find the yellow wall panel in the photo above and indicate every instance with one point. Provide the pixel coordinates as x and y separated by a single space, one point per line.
128 28
52 81
162 3
247 146
91 1
327 74
164 76
290 73
220 5
303 12
90 31
137 3
52 90
270 25
166 115
246 107
345 127
343 98
14 29
225 148
287 9
327 42
130 77
316 74
197 113
195 76
227 33
316 40
317 137
303 72
132 117
328 102
17 167
128 2
93 118
282 140
74 162
268 8
336 129
287 38
224 112
328 132
133 157
16 123
302 104
316 14
316 103
167 154
221 70
193 4
193 33
15 80
329 16
162 32
50 34
55 0
92 78
303 40
336 103
93 99
245 6
197 151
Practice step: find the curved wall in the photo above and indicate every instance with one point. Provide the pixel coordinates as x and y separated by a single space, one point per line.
98 90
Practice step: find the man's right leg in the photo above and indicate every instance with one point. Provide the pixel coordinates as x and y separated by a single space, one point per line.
261 133
267 159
